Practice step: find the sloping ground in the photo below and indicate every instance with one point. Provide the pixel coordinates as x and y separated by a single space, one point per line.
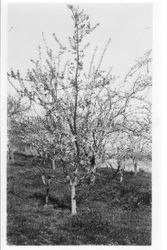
109 213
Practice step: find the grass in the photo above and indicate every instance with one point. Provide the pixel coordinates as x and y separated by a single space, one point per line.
109 213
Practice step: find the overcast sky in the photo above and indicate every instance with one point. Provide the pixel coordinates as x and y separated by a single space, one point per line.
128 25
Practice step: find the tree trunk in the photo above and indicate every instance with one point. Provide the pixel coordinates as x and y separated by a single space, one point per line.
135 168
47 197
134 160
121 177
73 199
122 171
46 201
53 164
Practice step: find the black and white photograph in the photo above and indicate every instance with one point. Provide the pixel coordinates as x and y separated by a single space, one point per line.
79 124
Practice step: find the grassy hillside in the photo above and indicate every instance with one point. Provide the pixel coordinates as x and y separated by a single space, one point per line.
109 213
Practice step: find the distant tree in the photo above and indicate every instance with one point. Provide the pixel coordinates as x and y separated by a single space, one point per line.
138 150
16 109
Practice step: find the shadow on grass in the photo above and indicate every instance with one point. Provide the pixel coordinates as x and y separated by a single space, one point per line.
55 201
